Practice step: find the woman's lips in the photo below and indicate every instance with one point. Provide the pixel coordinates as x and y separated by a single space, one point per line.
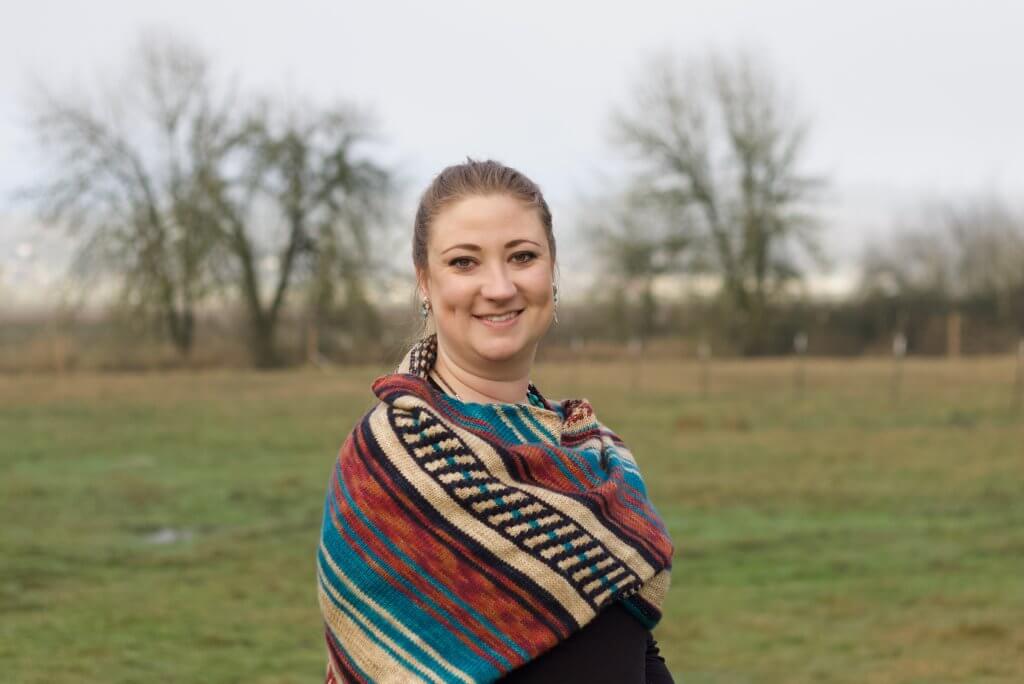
500 324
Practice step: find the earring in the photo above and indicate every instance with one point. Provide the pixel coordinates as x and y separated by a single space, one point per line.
425 307
554 294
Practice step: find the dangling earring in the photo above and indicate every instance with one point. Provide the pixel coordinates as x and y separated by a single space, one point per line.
554 291
425 307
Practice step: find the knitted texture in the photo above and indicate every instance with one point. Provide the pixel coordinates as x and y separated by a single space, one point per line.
462 540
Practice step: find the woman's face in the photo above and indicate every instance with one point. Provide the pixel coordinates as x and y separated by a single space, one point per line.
488 256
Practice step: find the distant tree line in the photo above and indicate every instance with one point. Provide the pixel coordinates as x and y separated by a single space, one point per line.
192 190
956 261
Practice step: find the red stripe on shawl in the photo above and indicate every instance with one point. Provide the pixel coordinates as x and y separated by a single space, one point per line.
393 563
546 472
487 596
639 529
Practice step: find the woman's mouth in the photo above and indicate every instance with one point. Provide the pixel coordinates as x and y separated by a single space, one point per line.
500 320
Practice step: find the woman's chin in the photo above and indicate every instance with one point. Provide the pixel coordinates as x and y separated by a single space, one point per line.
499 350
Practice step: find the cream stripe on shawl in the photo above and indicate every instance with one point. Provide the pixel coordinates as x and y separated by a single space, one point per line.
655 589
451 509
409 634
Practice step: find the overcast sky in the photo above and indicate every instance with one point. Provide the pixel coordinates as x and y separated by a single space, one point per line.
908 100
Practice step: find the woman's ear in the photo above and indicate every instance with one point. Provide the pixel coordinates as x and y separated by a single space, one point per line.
422 290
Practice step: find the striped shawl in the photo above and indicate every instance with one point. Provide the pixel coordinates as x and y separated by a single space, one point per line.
462 540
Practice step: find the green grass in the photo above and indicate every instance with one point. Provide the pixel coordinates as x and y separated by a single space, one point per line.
833 535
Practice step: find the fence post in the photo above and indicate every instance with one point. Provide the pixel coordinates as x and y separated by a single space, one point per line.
1018 385
576 350
899 350
636 346
704 364
312 342
800 347
953 329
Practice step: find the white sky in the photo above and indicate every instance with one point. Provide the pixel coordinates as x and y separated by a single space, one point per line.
908 99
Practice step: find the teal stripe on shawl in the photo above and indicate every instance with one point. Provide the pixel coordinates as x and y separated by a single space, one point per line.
528 425
633 610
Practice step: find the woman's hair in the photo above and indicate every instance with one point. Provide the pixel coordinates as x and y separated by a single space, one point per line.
474 178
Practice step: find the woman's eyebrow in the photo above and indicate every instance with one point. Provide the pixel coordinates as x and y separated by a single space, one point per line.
476 248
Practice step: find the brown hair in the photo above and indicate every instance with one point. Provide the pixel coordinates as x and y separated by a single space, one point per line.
474 178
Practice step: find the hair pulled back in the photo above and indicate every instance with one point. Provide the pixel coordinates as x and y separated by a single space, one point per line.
470 179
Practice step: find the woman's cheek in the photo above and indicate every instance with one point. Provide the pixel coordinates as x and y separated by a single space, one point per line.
458 295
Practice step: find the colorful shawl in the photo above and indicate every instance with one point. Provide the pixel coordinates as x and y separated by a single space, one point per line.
462 540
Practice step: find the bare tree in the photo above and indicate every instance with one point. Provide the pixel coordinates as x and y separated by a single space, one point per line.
182 188
989 239
721 146
124 174
305 200
918 263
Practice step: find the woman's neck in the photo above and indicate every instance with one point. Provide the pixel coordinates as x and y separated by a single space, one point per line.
474 387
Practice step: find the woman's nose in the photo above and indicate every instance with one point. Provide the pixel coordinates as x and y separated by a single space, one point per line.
498 284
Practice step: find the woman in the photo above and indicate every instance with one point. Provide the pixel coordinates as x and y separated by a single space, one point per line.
475 531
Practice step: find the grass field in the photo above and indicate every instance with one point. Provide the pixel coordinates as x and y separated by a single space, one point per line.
162 527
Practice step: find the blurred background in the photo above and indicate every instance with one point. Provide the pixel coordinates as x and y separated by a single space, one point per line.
793 231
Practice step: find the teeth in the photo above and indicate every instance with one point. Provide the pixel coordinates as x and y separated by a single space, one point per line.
503 317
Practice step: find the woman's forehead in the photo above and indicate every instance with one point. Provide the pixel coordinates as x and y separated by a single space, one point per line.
487 222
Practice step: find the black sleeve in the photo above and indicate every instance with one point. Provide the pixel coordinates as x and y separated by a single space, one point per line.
657 671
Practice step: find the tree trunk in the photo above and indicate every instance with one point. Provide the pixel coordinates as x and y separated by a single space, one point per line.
261 342
181 325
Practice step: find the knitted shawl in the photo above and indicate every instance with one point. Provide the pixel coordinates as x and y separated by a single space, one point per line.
462 540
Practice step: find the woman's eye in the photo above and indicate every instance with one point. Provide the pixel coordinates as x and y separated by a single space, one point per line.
461 262
523 257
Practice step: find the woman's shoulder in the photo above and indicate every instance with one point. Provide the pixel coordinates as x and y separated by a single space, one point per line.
391 410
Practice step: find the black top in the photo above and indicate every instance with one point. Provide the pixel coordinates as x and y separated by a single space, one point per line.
613 648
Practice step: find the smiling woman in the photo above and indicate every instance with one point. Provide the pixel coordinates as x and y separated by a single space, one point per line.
475 531
490 284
